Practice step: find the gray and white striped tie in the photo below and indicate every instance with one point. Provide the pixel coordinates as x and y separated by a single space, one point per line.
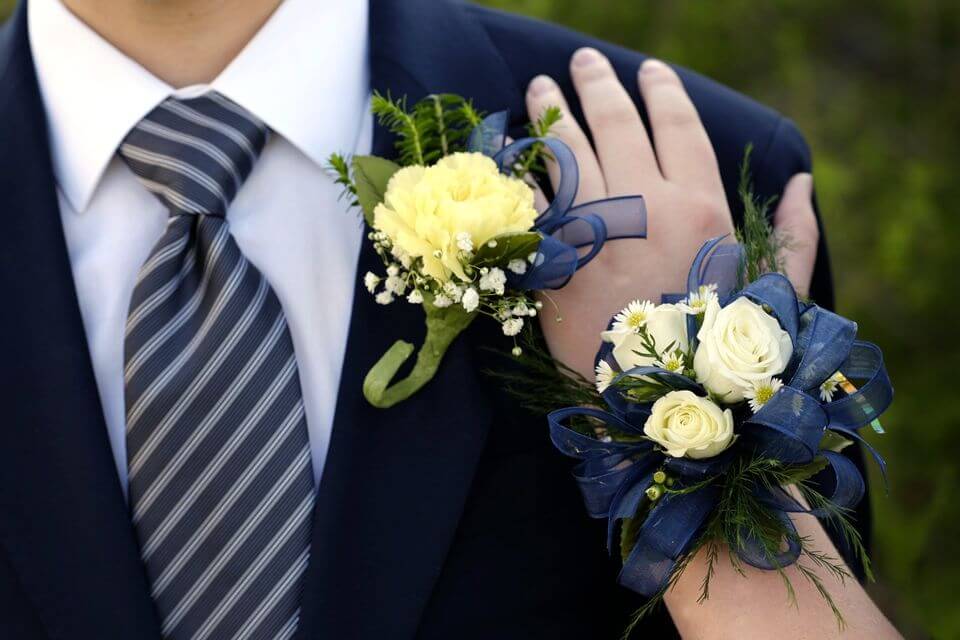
221 484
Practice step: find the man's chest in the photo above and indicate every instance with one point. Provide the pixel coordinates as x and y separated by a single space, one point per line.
290 223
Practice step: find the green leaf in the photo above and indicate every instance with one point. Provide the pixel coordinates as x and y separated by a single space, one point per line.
508 246
835 442
443 326
371 175
793 475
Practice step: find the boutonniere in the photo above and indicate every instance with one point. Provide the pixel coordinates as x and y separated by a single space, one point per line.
716 414
453 219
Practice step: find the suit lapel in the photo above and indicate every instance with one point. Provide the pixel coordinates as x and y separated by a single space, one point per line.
395 480
64 521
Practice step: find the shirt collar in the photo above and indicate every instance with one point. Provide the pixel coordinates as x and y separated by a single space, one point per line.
305 73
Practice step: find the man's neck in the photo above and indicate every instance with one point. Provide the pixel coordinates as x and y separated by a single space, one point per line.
182 42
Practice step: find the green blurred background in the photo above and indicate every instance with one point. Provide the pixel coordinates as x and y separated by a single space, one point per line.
874 85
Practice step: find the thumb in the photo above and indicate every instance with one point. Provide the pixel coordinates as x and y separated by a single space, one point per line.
795 224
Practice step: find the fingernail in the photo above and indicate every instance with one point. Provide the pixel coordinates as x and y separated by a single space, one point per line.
540 85
652 65
586 57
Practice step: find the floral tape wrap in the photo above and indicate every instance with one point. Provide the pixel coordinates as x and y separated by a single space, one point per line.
613 475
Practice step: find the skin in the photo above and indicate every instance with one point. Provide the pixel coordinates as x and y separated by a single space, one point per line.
205 34
677 173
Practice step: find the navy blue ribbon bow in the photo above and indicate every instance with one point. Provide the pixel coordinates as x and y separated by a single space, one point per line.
614 473
565 228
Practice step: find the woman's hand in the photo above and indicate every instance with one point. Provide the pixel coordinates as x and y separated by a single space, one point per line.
678 176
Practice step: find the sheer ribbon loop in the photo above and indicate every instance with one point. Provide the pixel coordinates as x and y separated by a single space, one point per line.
788 428
823 345
565 228
666 534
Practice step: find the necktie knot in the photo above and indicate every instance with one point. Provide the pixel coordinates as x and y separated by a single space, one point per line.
195 154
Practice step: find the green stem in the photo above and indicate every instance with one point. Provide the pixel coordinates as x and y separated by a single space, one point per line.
443 326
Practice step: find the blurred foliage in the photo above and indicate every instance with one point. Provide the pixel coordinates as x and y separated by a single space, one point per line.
873 84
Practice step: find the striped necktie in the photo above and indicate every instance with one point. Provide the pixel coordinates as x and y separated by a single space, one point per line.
221 484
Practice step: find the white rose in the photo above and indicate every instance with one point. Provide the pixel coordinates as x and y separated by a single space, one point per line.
666 324
685 424
739 345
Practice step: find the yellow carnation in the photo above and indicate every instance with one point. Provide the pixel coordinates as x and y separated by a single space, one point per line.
425 209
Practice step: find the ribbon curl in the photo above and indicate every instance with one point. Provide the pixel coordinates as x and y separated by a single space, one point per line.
565 227
614 474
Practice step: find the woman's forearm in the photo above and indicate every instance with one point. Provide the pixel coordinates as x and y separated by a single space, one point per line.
757 606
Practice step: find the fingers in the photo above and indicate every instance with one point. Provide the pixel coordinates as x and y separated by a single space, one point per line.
796 224
623 148
543 92
682 146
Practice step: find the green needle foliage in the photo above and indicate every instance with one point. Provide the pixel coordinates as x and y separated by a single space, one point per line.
434 127
762 247
741 517
534 159
339 166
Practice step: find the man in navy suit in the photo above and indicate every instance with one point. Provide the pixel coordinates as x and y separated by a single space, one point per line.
447 516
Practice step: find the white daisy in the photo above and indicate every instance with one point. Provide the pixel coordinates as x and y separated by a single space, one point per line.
761 392
830 385
696 303
441 301
673 362
415 297
604 376
633 316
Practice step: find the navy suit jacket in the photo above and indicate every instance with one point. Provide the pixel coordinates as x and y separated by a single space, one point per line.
448 516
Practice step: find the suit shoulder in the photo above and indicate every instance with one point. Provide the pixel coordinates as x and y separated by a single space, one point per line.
732 119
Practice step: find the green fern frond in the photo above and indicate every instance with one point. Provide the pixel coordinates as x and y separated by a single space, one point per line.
393 115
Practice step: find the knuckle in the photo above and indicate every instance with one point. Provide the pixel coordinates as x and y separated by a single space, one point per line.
677 116
707 216
609 114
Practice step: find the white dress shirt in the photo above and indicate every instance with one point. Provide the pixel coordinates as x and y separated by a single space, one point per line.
305 74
